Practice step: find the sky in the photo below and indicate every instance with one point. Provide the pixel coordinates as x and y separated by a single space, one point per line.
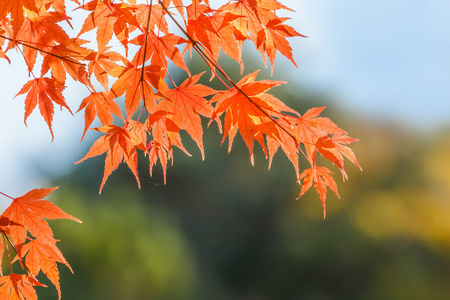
383 60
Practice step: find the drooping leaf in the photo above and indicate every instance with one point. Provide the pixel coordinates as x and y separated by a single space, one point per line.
18 287
41 31
101 63
273 38
16 9
108 17
120 144
158 49
27 213
97 104
41 257
185 104
137 84
64 58
321 177
43 91
251 111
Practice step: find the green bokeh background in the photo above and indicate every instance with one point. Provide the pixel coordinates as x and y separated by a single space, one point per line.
222 229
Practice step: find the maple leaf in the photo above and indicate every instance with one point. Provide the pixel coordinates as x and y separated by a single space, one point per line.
321 178
260 24
199 23
165 134
2 41
44 91
39 257
18 287
287 143
250 110
223 37
27 213
120 144
97 104
103 62
184 105
41 32
108 17
312 130
158 48
137 84
64 58
273 38
16 9
157 18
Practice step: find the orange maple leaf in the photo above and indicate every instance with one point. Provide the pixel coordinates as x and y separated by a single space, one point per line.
27 213
273 38
157 19
158 48
251 111
64 58
108 17
17 11
321 178
165 134
311 128
223 37
40 31
97 104
18 287
39 257
103 62
44 91
287 143
199 23
185 104
137 84
120 144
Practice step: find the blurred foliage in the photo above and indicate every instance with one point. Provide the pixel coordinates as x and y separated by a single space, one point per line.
221 229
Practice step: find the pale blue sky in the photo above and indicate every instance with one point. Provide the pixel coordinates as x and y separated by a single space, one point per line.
386 59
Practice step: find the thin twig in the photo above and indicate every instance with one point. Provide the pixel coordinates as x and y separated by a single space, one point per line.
40 50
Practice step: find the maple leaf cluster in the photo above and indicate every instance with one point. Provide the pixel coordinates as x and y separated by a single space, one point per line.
141 107
25 232
156 109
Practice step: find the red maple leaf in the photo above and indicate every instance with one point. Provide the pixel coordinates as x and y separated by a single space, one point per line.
137 84
41 257
27 213
18 287
108 17
97 104
250 110
184 106
103 62
64 58
120 144
321 177
16 9
43 91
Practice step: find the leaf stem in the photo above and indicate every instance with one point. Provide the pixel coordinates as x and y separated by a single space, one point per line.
7 196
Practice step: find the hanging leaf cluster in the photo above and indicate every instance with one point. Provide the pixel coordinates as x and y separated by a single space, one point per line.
129 86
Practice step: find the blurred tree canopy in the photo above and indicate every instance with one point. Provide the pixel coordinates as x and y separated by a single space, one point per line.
221 229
